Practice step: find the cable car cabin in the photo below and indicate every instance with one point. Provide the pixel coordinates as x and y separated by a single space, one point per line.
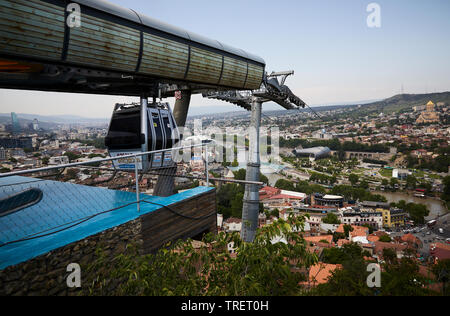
136 129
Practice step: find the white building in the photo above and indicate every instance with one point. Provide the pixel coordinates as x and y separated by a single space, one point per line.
232 225
322 134
362 217
219 220
60 160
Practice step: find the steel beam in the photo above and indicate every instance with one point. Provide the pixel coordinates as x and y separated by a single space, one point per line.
250 211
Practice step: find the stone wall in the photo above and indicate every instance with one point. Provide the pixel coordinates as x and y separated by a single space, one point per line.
47 274
365 155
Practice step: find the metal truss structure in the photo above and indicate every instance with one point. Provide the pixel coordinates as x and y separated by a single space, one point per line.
272 89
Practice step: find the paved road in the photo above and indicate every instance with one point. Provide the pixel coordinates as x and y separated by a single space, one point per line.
428 236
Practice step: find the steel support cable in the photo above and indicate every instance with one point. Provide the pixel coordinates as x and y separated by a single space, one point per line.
314 112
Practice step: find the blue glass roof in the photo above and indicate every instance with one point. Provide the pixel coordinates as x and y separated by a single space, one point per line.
64 205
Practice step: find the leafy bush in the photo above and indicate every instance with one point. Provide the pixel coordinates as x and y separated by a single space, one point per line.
261 268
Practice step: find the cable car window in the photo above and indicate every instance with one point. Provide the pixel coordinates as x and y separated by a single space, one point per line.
158 132
169 134
125 130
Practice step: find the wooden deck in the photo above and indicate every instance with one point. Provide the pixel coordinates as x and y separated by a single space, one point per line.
188 218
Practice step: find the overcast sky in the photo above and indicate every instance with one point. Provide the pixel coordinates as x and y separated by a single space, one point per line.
337 58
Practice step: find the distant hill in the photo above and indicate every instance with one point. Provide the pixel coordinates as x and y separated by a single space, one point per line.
6 120
56 119
393 104
403 101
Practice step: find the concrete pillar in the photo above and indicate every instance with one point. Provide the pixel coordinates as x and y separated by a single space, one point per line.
181 108
165 184
250 210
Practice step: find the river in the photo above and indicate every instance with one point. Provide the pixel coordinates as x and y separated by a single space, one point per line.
435 206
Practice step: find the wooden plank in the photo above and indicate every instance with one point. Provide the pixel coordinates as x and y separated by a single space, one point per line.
173 233
234 72
102 43
168 218
31 28
255 75
162 226
204 66
164 57
157 241
188 209
34 8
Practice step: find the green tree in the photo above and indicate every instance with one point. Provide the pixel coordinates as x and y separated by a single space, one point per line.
402 278
393 182
370 227
331 218
353 178
417 212
446 194
71 174
241 175
72 156
337 236
236 205
351 279
347 230
411 182
285 185
442 272
398 278
225 196
364 184
275 212
389 255
261 268
348 252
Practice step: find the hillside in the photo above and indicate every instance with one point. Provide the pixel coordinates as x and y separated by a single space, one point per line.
401 102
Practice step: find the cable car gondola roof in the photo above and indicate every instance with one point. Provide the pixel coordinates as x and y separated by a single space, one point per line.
145 20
